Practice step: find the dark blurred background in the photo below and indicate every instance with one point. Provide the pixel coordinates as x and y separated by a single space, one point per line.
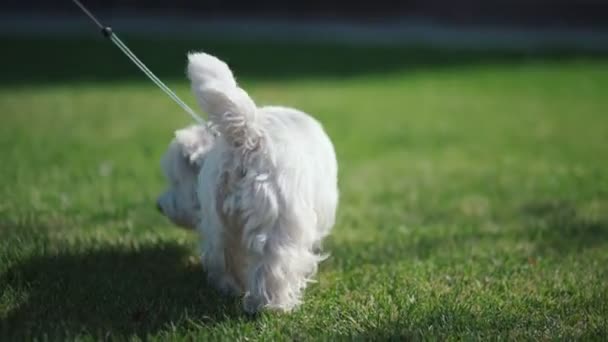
513 31
521 13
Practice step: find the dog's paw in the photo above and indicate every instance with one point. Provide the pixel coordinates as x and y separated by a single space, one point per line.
252 304
224 284
229 289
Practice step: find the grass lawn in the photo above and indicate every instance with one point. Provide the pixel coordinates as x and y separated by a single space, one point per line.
474 193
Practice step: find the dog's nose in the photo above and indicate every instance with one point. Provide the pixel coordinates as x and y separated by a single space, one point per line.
159 207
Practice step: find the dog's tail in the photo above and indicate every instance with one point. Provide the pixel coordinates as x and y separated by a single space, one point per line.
229 107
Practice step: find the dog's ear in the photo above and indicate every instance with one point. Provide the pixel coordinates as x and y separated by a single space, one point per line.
194 142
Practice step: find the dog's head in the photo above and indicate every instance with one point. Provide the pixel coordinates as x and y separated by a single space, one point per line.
181 165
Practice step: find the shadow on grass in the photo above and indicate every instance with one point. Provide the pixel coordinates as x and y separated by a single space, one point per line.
553 227
556 226
113 292
95 60
447 319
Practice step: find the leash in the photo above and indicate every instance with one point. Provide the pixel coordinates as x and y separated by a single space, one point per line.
106 31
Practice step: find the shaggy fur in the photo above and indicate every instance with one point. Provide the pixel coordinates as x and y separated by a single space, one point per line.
260 184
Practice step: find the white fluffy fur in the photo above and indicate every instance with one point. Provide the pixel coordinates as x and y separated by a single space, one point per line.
263 192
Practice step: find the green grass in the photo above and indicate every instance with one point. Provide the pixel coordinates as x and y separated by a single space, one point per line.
474 194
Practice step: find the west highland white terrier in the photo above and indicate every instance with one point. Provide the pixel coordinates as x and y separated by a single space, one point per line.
258 183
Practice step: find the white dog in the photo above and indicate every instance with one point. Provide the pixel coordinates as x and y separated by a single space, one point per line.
260 184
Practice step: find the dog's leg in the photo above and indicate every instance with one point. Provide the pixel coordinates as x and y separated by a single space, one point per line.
277 281
214 263
279 272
